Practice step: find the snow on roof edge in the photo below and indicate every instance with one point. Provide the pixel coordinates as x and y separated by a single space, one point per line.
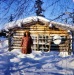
66 26
30 19
25 20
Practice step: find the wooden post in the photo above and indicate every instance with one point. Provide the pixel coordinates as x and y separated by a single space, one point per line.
69 44
73 42
9 41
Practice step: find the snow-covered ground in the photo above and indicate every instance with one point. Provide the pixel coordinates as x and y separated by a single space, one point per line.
36 63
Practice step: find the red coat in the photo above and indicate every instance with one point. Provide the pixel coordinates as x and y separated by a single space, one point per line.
26 45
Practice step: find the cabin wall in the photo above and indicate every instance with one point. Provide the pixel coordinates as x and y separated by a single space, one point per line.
42 37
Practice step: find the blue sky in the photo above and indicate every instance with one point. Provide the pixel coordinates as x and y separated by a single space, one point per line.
52 9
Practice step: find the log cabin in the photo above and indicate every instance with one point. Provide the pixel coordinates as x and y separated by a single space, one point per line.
47 35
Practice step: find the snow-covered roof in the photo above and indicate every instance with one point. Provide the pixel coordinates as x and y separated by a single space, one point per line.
34 18
24 21
64 26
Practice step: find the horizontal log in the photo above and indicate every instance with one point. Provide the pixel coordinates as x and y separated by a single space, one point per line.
22 31
16 43
15 47
17 36
35 43
61 50
17 39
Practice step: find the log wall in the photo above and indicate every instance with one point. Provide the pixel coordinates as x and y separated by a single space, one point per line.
42 38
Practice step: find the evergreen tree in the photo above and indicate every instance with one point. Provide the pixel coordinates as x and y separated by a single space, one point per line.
39 10
11 18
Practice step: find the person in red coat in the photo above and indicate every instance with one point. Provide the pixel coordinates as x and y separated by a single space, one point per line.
26 43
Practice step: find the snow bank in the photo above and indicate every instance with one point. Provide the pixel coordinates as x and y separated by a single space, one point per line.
36 63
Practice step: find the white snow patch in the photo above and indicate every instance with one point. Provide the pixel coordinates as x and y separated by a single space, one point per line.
0 45
63 54
71 64
65 63
21 55
36 58
34 55
30 56
5 43
38 53
16 51
15 60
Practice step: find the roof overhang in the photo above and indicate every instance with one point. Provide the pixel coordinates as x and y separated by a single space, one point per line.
35 19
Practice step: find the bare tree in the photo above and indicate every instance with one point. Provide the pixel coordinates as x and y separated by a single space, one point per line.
54 9
18 9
